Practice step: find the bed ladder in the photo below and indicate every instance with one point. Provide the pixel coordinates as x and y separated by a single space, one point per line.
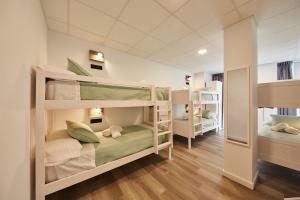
160 128
193 106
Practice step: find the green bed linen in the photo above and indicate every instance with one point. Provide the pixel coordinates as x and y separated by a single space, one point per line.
206 123
267 132
94 91
134 139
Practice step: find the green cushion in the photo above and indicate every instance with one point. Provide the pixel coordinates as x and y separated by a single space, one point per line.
81 132
76 68
205 114
293 121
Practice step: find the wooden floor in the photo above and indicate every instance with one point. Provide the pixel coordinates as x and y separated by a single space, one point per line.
192 174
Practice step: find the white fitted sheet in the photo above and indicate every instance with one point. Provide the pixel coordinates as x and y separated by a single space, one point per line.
63 90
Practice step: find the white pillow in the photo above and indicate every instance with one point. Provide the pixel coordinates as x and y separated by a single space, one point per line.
61 150
115 131
280 127
106 132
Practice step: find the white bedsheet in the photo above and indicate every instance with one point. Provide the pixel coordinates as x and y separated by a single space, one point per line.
63 90
86 161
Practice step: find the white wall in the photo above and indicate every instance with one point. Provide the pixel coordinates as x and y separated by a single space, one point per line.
118 66
23 44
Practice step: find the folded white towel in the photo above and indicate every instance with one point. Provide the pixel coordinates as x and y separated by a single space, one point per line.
113 130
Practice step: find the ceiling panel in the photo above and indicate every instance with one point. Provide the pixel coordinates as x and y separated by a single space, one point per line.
195 14
86 35
191 42
149 44
125 34
89 19
145 15
109 7
171 30
56 9
57 26
172 5
116 45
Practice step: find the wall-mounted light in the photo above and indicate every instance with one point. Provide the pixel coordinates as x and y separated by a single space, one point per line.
95 112
97 56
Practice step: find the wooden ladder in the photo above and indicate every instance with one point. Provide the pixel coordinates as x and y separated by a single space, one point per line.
163 127
193 106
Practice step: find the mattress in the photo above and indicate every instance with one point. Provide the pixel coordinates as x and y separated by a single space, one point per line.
74 90
134 139
285 137
209 123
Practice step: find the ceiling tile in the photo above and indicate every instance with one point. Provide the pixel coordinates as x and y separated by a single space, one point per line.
230 18
57 26
247 9
149 44
125 34
110 7
241 2
167 53
219 7
191 42
212 31
195 14
139 53
86 35
56 9
116 45
172 5
145 15
89 19
171 30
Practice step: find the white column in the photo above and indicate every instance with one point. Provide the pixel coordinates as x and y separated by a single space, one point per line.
240 50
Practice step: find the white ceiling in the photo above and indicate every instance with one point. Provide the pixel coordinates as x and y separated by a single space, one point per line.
171 31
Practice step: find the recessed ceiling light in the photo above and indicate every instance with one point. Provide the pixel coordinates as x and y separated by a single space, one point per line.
202 51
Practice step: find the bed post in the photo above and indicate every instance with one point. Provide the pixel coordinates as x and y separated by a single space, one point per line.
155 128
170 116
40 136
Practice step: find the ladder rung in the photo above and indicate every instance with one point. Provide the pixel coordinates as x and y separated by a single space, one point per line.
164 133
164 145
198 132
163 110
164 121
198 115
196 124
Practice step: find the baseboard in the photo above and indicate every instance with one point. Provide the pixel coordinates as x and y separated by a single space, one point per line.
242 181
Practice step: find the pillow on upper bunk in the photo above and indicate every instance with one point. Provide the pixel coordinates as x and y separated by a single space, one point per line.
58 151
292 121
81 132
77 69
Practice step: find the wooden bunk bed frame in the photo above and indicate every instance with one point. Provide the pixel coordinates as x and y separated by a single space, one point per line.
187 128
284 94
42 105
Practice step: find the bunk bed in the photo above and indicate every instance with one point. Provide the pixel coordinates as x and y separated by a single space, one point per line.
274 146
55 90
192 122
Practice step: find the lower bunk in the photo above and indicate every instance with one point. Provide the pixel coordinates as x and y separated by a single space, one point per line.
135 142
279 148
183 127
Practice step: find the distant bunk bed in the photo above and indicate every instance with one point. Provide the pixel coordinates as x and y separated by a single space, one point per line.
277 146
56 90
193 120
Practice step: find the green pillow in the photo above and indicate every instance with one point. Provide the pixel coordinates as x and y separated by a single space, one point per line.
76 68
81 132
293 121
205 114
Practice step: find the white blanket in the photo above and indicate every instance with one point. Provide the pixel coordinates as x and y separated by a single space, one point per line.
86 161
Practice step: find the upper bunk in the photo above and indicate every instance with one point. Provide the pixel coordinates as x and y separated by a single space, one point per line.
59 90
202 96
282 94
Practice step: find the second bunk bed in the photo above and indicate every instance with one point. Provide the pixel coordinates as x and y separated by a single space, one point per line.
279 140
196 118
63 91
